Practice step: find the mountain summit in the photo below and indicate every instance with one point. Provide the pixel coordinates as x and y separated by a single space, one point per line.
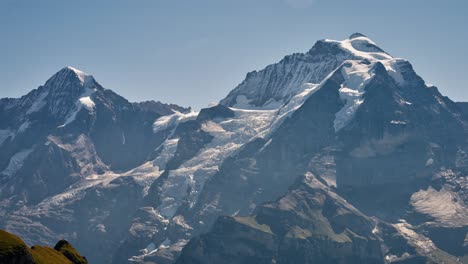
276 84
70 74
339 154
357 35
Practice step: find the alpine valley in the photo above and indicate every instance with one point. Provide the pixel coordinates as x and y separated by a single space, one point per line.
342 154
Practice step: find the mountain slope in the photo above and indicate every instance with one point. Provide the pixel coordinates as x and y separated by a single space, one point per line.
345 145
14 250
309 224
70 126
373 126
62 140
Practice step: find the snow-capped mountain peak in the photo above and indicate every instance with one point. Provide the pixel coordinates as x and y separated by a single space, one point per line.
68 87
361 46
72 75
274 86
60 99
84 77
370 142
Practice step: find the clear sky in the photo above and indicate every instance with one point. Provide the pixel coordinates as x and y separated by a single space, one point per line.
193 52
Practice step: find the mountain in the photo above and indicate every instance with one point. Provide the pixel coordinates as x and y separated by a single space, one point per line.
14 250
63 138
378 137
340 154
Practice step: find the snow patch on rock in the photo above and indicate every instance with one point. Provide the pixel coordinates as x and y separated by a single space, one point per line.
84 78
363 47
228 136
171 121
87 103
84 101
356 75
187 181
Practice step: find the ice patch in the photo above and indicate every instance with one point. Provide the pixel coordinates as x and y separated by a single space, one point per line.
82 76
87 103
212 127
429 162
170 121
365 48
356 75
229 135
187 181
405 102
289 108
84 101
144 175
398 122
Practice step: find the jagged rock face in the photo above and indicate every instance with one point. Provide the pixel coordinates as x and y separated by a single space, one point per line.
68 129
277 83
309 224
62 147
394 135
385 130
261 170
341 153
161 108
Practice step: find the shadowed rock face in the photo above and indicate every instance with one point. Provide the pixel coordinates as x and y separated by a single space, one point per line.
53 139
309 224
277 83
68 129
339 155
390 161
161 109
391 138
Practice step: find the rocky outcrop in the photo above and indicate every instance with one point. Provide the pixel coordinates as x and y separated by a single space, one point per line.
309 224
381 159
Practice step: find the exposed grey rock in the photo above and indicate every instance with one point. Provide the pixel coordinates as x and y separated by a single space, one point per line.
339 154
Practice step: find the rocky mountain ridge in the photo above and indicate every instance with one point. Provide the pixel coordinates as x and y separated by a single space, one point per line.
345 146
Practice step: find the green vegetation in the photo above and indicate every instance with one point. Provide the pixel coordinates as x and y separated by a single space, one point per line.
70 252
11 245
14 250
47 255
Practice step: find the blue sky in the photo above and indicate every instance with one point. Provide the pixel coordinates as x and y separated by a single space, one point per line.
194 52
